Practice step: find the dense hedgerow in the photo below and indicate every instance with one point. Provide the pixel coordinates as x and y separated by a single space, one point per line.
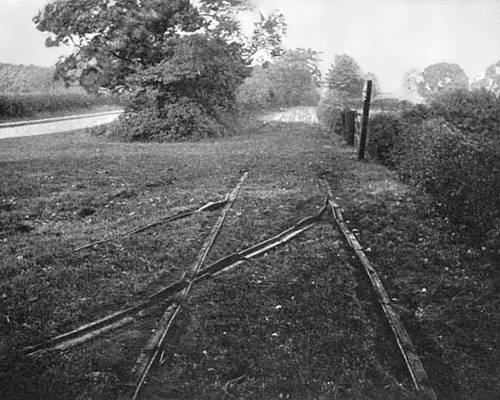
385 132
390 104
474 112
451 150
460 172
28 105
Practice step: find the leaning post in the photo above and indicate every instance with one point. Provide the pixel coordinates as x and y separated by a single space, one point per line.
364 123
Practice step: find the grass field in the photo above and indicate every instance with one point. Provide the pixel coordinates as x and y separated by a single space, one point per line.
299 323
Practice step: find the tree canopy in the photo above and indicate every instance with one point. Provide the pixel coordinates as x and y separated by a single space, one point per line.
163 52
440 78
345 76
289 80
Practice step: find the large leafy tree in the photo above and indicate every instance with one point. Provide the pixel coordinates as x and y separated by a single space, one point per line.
441 78
289 80
163 52
345 76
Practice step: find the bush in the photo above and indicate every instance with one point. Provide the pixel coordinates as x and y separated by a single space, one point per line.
29 105
183 120
331 107
390 104
462 174
475 113
385 131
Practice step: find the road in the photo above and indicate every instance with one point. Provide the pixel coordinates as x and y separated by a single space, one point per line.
56 125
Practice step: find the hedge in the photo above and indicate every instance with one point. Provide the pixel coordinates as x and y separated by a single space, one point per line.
14 106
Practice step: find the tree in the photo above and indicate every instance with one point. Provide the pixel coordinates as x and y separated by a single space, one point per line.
163 52
345 76
290 80
267 38
441 78
491 80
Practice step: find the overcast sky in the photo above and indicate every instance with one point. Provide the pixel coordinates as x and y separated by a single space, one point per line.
387 37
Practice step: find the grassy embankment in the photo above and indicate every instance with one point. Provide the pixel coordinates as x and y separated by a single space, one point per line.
298 323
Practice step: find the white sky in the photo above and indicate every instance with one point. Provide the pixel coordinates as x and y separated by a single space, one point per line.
387 37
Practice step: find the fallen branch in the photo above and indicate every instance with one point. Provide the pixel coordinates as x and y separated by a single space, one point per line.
412 360
166 295
153 346
210 206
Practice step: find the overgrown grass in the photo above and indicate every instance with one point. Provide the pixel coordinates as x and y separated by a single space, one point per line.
63 190
300 322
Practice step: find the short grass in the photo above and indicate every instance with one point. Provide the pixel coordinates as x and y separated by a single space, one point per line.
298 323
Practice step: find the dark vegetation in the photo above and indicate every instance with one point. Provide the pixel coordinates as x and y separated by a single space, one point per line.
450 149
20 106
444 286
16 79
179 63
292 79
34 92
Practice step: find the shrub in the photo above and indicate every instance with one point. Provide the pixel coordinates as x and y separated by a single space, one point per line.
331 107
390 104
384 132
183 120
29 105
461 173
288 81
474 113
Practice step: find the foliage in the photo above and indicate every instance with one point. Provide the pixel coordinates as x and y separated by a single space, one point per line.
267 37
291 80
390 104
384 133
473 112
178 52
490 81
16 79
173 122
439 78
29 105
461 173
331 107
345 76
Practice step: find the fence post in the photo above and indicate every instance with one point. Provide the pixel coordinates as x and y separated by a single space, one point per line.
349 127
364 123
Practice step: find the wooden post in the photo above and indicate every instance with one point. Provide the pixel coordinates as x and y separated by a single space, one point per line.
364 124
349 127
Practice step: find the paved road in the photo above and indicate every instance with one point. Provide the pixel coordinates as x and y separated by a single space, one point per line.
56 125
